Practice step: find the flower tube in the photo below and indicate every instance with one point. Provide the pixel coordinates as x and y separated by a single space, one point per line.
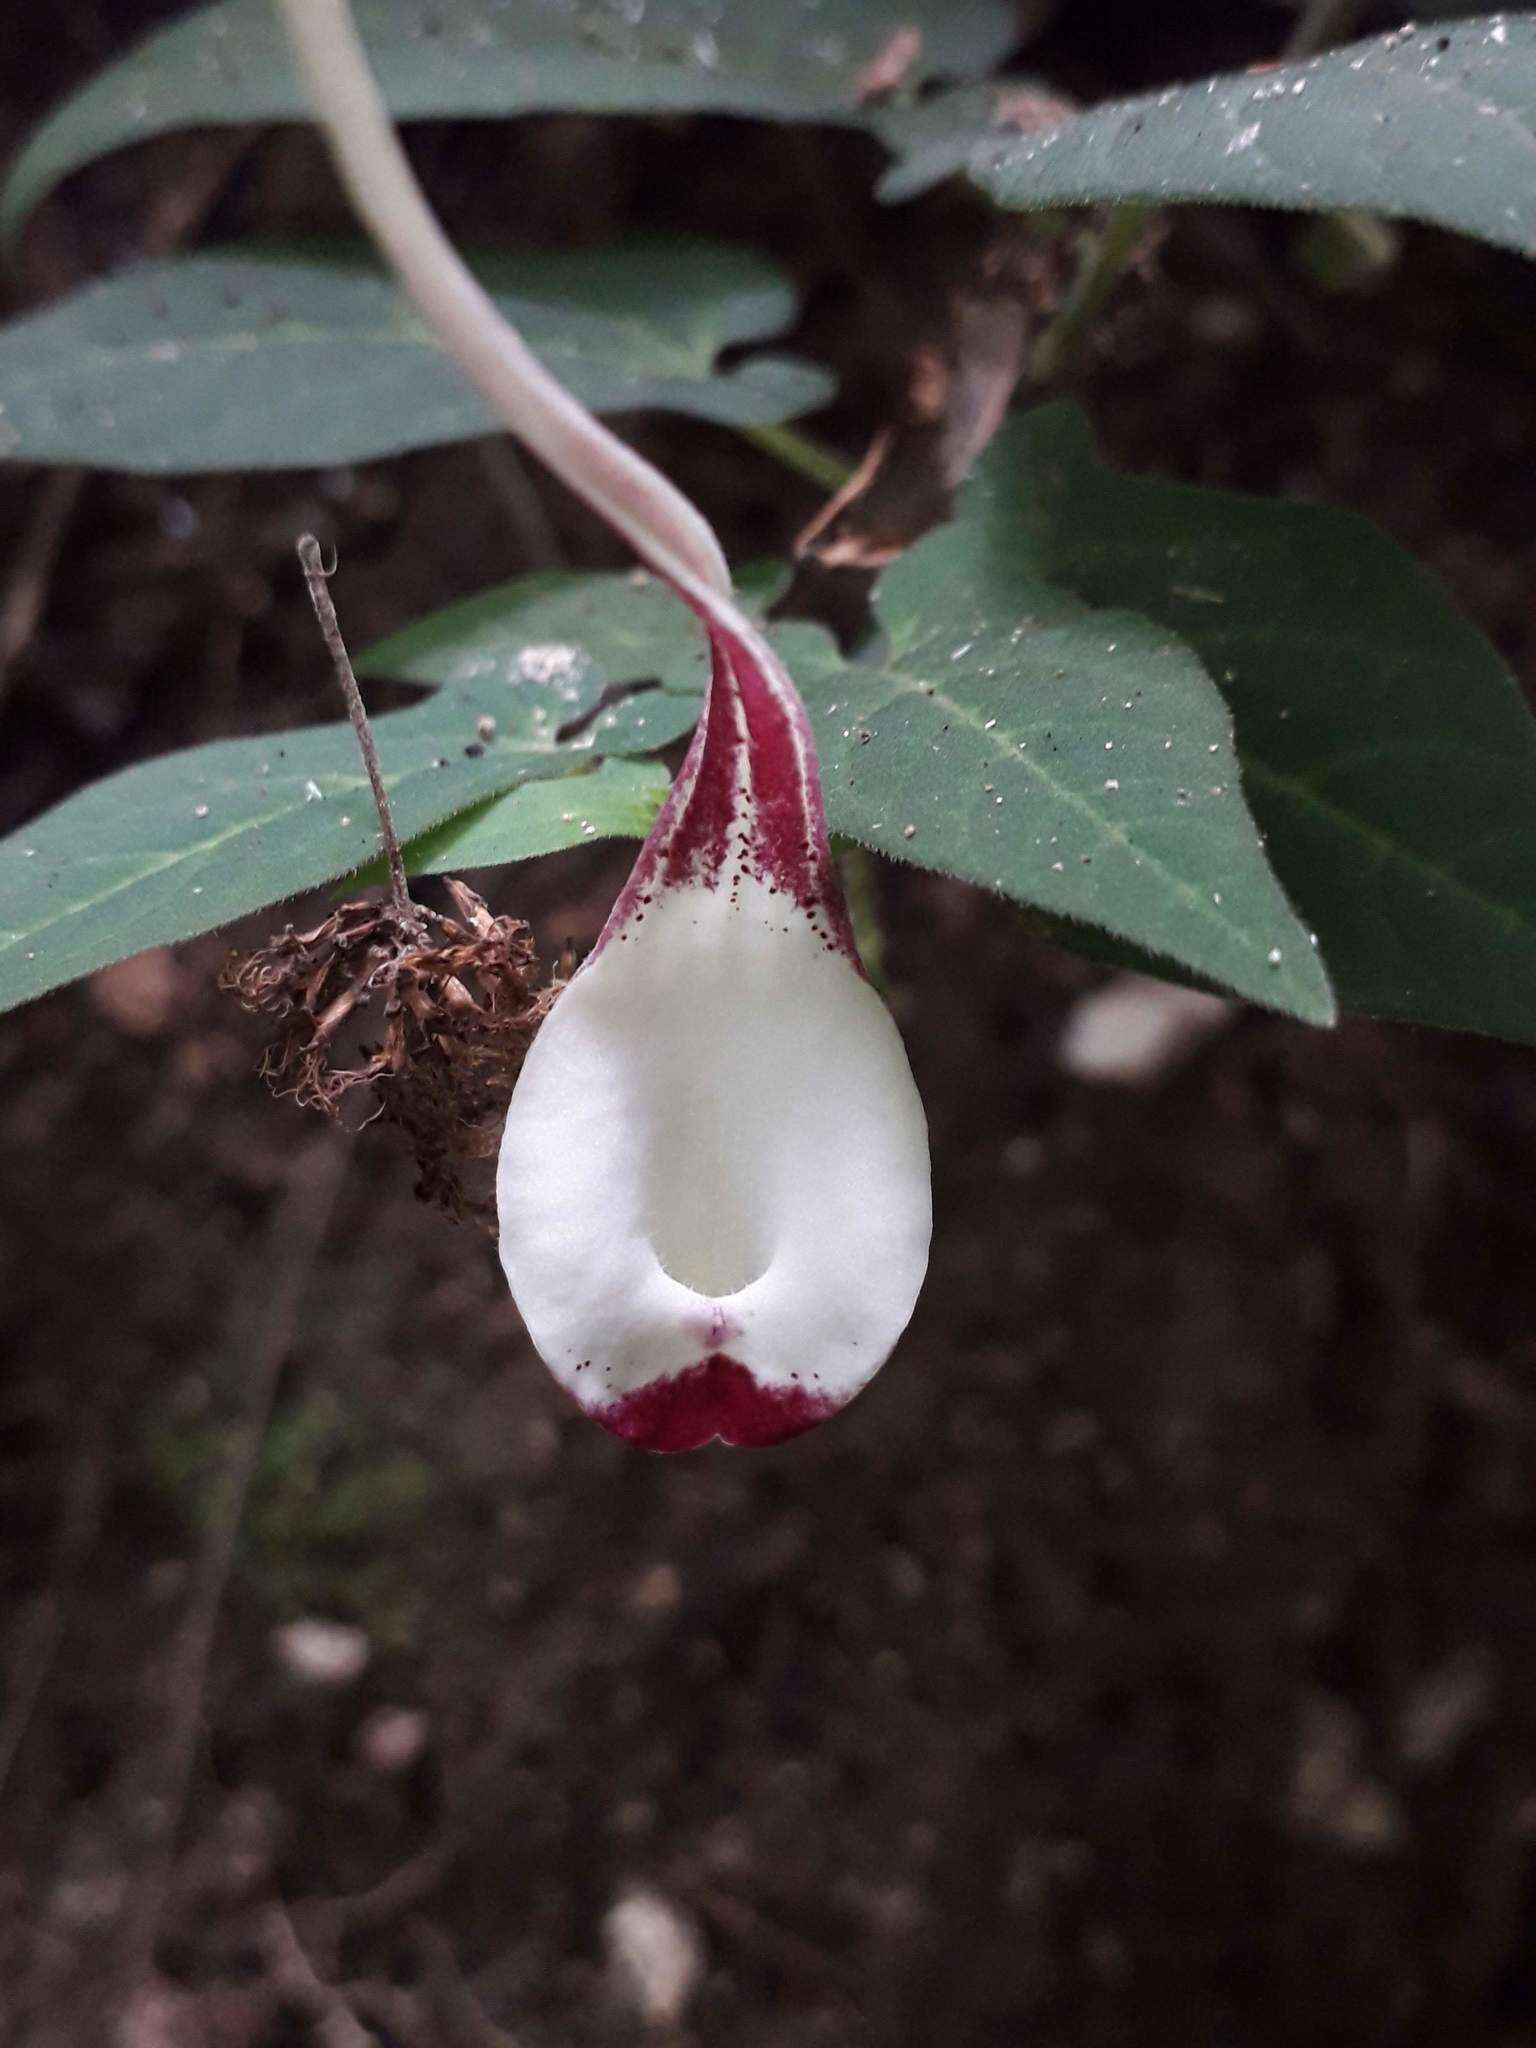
713 1187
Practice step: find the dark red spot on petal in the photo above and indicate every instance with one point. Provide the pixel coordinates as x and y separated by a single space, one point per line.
715 1398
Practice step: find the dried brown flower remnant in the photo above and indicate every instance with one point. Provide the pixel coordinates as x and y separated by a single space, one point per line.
458 1004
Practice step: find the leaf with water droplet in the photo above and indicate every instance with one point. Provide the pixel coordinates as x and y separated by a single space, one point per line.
618 800
976 744
186 843
1386 751
1436 124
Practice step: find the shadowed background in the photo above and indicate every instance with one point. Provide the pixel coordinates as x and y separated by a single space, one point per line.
1146 1656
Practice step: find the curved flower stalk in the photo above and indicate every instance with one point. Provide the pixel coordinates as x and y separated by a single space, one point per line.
713 1187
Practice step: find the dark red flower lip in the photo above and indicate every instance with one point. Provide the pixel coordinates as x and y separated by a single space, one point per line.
715 1400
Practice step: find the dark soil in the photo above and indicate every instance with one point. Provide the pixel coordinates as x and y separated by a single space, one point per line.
1147 1657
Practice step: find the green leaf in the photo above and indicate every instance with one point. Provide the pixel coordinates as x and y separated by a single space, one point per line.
186 843
285 358
1435 124
1386 751
618 800
447 59
572 627
1073 758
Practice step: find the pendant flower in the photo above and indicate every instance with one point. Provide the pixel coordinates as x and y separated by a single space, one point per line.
713 1186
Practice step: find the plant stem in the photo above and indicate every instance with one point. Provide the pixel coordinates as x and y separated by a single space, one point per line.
861 885
1097 276
800 453
671 535
317 576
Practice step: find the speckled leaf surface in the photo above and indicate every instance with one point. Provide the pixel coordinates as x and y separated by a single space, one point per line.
1435 124
186 843
1387 753
1074 756
617 800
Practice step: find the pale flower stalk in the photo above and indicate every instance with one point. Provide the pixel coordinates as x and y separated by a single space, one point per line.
713 1189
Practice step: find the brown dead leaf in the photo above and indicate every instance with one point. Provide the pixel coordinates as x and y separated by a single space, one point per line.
957 396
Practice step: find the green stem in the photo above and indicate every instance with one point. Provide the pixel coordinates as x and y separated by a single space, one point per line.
860 873
671 535
1101 269
799 452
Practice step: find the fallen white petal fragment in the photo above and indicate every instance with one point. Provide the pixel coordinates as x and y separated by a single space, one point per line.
1133 1031
320 1652
655 1955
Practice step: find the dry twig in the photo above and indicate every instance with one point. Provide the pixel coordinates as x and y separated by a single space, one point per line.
317 576
336 2025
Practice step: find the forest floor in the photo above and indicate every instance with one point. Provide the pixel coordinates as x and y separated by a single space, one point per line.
1147 1657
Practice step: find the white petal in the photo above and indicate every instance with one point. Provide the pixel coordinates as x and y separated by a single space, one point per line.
713 1187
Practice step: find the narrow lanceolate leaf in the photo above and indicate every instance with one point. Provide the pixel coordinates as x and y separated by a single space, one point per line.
285 358
1072 755
1386 751
184 844
775 59
1435 124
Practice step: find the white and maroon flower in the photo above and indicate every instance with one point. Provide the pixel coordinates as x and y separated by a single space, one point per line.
713 1190
713 1186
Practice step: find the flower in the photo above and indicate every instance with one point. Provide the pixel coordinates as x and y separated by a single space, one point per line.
713 1188
713 1183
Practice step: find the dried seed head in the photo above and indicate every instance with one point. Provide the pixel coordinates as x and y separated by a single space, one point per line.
455 1007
